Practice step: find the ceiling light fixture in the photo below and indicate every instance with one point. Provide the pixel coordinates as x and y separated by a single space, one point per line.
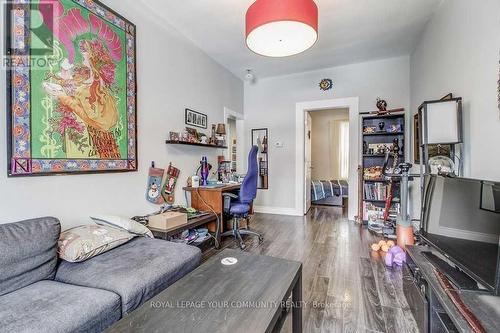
277 28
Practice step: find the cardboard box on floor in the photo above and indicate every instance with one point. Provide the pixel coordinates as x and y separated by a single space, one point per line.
168 220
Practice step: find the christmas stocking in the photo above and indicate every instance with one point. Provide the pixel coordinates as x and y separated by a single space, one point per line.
153 193
168 189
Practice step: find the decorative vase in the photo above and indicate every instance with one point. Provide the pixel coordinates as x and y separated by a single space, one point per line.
405 236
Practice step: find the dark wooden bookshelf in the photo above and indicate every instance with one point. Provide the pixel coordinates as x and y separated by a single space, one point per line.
376 159
171 142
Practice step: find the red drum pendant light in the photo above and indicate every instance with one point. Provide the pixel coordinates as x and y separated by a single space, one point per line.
281 28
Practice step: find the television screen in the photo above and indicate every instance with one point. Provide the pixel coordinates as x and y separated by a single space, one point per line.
461 218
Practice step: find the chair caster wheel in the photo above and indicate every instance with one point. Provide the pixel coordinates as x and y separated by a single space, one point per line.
242 246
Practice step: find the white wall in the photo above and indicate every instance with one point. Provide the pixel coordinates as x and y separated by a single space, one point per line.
271 103
321 143
459 53
172 75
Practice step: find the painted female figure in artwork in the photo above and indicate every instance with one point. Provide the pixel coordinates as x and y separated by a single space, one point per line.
87 98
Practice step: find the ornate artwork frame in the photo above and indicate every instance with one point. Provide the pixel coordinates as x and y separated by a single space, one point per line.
84 118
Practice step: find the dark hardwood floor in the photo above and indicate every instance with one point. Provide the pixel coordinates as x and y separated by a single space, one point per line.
347 288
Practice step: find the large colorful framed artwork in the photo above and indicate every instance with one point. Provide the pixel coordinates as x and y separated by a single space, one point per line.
71 88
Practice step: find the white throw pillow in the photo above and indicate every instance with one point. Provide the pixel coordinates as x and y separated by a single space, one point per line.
123 223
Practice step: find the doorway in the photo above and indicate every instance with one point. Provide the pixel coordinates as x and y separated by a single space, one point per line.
303 175
235 127
327 157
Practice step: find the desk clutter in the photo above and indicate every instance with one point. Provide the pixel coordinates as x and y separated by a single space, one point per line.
192 236
205 177
181 225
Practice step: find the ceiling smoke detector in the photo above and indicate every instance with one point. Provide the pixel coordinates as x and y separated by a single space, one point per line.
249 76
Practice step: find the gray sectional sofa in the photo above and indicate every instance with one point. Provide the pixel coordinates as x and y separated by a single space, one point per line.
40 293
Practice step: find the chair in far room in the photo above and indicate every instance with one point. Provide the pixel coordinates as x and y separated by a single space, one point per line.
240 206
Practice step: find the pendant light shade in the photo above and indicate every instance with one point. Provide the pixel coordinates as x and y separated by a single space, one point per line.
278 28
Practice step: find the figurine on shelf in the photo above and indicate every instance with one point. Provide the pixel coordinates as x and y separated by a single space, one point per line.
213 138
381 126
395 128
395 147
174 136
381 106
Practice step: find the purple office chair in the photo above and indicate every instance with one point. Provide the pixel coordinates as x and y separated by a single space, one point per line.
239 207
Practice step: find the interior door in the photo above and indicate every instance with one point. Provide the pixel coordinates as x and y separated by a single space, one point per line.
308 162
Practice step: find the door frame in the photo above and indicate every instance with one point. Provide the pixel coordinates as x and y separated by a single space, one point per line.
307 141
351 103
240 138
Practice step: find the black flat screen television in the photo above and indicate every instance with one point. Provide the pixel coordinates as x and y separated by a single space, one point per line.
461 219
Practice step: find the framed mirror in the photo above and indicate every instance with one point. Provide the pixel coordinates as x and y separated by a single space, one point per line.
490 197
260 138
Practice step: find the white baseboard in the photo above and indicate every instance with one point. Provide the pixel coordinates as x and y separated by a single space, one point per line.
468 235
276 210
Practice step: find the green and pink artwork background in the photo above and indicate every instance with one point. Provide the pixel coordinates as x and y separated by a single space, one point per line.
80 116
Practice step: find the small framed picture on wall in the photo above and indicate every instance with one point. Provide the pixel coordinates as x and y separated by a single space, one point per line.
197 119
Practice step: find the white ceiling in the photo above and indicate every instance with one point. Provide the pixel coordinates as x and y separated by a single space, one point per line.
350 31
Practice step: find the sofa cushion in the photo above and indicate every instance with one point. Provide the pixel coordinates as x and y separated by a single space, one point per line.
87 241
50 306
137 270
28 252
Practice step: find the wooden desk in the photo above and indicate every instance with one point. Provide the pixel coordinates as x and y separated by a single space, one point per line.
212 196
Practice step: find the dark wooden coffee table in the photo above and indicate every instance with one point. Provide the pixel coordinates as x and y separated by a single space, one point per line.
248 296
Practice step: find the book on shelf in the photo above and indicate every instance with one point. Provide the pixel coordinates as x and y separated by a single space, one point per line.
371 211
376 191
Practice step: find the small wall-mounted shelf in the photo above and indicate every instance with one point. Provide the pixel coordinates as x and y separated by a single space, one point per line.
380 201
379 155
171 142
